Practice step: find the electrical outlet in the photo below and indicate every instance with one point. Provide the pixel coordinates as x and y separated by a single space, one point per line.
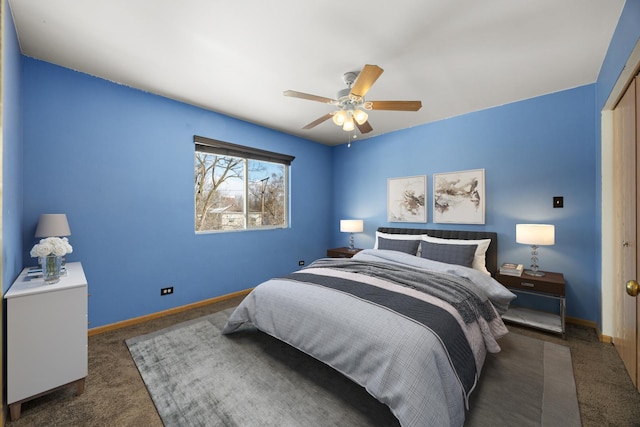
166 291
301 263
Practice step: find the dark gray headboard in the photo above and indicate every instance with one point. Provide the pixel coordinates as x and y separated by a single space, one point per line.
492 252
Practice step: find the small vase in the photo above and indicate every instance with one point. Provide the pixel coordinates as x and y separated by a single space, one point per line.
51 265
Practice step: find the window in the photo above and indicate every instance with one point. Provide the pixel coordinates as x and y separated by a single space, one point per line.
238 188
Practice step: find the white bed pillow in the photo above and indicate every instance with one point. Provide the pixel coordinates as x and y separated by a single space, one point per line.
479 260
398 237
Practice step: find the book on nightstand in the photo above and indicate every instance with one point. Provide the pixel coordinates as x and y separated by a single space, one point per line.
511 269
36 272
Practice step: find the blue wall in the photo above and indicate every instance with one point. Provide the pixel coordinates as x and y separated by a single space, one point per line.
531 151
119 163
624 40
11 153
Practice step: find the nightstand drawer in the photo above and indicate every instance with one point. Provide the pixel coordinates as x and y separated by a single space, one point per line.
529 285
550 283
342 252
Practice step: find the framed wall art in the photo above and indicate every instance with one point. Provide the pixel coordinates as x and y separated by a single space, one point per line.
459 197
407 199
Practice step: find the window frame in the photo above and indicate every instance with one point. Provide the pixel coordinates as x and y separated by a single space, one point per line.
217 147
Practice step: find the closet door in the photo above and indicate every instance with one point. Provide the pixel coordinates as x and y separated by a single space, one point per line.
627 136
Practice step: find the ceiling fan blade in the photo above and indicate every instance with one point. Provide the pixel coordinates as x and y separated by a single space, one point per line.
364 128
395 105
316 122
308 96
365 80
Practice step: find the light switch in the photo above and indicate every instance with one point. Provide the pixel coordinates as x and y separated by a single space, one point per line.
558 202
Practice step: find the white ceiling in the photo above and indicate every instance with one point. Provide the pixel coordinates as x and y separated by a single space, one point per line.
237 57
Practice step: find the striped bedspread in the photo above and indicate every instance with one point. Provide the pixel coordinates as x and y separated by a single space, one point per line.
391 327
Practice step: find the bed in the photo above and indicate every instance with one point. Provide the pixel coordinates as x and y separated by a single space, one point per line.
410 320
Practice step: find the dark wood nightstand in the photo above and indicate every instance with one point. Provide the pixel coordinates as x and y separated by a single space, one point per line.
551 285
342 252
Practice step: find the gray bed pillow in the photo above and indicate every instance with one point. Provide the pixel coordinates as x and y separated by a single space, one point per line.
406 246
451 254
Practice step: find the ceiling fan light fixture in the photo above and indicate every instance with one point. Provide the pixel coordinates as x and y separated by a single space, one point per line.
339 117
350 107
360 116
348 125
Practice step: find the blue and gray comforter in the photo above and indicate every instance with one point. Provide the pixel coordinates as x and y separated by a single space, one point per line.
413 332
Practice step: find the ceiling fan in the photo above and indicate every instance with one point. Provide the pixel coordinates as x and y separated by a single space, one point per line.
351 103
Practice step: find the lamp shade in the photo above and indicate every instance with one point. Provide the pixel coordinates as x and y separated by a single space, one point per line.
339 117
53 225
348 125
351 225
360 116
535 234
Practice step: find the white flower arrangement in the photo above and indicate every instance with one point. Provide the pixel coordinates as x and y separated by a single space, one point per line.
51 246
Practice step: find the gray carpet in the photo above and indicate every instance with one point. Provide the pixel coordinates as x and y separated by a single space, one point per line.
197 377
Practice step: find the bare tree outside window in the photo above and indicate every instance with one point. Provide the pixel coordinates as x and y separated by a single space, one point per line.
235 193
266 196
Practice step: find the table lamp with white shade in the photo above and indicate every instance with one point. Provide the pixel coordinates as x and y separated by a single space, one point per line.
535 235
351 226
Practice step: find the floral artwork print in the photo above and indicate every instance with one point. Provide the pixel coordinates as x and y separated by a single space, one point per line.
459 197
406 199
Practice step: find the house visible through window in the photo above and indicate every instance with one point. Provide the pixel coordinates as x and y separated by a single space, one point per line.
239 187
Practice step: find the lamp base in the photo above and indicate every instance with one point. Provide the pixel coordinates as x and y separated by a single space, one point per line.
534 273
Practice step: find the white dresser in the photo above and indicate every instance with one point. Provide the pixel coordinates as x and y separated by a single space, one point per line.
46 336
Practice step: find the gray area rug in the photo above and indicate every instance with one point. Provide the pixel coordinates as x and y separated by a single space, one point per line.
198 377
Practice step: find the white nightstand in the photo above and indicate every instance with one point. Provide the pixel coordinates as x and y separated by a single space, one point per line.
46 336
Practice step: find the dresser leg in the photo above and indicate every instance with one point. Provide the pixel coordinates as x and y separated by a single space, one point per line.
80 387
14 409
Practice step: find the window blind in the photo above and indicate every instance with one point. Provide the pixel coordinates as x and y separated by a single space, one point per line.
223 148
